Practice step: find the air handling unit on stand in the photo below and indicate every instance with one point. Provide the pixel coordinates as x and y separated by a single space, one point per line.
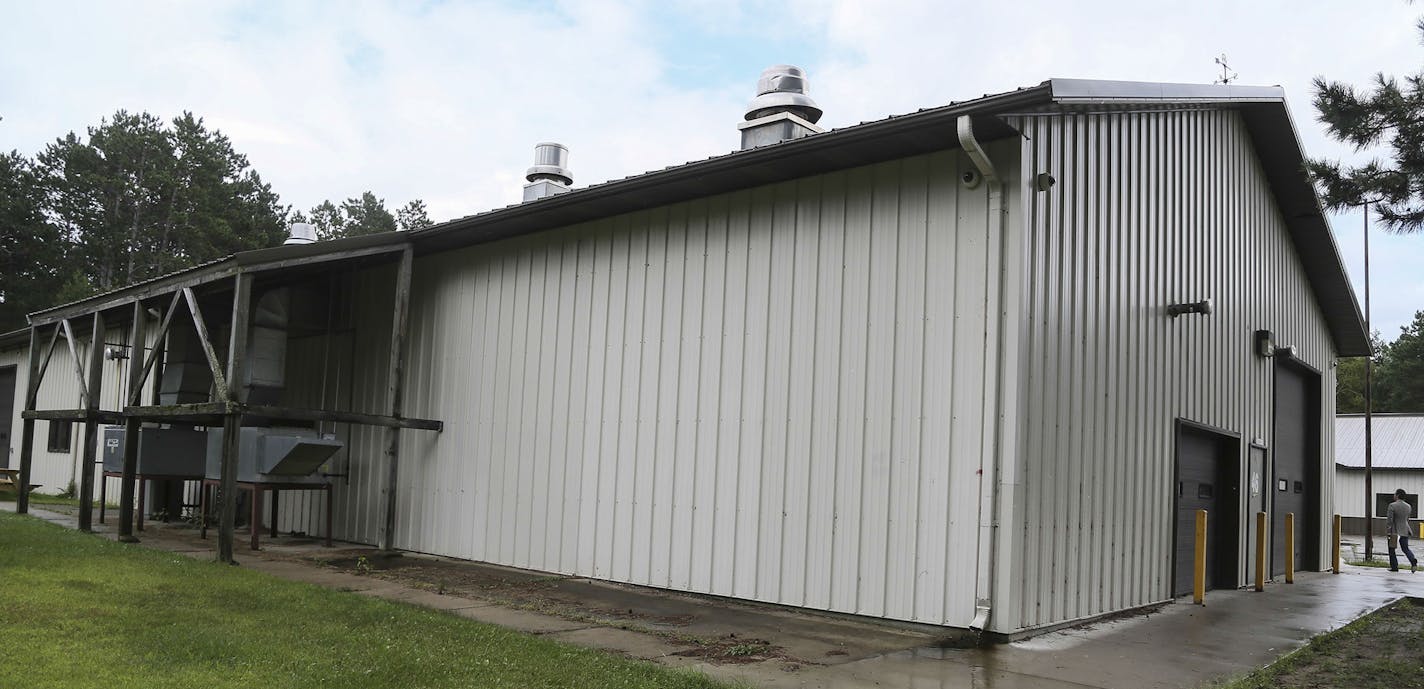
268 453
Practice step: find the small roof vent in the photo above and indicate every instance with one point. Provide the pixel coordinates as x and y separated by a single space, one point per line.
783 88
301 233
550 174
781 111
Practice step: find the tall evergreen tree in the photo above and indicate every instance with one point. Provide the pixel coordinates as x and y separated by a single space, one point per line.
1400 386
1350 380
365 214
31 249
140 199
1387 112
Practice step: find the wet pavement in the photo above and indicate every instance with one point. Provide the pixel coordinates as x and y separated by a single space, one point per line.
1179 645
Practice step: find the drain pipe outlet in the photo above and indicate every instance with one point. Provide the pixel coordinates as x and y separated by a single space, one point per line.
989 459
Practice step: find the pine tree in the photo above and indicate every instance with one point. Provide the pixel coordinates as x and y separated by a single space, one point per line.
1387 112
1400 386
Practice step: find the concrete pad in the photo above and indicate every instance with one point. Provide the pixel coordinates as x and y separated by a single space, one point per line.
635 644
519 620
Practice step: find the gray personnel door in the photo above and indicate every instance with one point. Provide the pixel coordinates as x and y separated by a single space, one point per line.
1208 478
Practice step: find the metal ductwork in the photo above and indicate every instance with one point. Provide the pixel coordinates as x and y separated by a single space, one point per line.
274 455
186 377
301 233
550 174
781 110
265 375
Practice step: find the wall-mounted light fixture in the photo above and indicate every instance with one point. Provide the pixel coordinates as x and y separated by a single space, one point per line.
1202 307
1266 345
114 352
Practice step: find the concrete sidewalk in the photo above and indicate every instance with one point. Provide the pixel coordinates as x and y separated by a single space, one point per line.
1182 645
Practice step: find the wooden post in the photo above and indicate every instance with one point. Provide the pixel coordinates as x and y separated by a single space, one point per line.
1260 551
95 373
394 386
132 425
27 426
232 422
1199 561
1335 546
1290 547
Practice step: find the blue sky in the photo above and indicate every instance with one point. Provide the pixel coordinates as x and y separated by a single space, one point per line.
444 100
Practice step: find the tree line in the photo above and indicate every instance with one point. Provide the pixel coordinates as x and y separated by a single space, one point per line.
1398 374
139 197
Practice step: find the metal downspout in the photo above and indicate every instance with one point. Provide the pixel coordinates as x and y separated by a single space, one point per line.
989 462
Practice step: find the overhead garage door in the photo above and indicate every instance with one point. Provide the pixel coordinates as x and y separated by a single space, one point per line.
1296 485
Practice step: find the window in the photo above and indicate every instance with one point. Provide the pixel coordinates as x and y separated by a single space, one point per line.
59 435
1382 501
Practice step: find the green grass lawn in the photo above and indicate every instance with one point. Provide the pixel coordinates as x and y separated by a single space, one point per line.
1377 651
80 611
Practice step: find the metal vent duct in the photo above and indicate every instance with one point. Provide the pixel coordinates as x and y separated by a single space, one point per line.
301 233
781 110
550 174
783 88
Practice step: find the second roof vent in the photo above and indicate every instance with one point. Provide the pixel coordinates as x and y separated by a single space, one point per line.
781 110
550 174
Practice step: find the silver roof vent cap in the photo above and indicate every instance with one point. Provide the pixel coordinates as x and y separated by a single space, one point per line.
301 233
550 175
551 162
782 88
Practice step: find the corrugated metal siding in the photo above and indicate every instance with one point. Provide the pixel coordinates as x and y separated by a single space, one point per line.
774 394
1149 209
1350 489
1398 441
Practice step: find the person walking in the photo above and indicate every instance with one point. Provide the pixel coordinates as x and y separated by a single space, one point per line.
1397 519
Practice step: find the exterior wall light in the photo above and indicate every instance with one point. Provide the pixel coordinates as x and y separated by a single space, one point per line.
1265 343
1202 307
1266 346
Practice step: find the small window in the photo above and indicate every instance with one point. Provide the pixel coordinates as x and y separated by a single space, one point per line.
1300 486
1281 485
1382 501
59 435
1204 491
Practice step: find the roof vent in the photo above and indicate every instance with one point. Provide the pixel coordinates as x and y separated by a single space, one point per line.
550 174
301 233
782 110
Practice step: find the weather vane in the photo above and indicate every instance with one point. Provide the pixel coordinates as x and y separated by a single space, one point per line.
1227 76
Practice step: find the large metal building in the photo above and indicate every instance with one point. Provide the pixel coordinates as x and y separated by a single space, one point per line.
973 366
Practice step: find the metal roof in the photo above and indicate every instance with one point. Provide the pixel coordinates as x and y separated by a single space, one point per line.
1263 109
1398 441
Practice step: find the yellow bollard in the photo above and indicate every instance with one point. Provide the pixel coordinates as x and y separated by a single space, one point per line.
1199 565
1260 551
1290 547
1336 535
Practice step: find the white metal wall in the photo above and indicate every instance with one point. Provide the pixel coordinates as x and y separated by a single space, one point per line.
1149 209
1350 488
774 394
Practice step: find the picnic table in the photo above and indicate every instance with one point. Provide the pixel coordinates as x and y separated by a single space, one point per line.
10 480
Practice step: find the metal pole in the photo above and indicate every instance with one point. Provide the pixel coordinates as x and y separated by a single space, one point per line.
1260 551
1335 539
1369 406
1199 561
1290 547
